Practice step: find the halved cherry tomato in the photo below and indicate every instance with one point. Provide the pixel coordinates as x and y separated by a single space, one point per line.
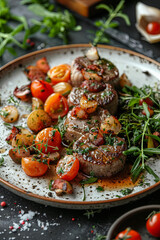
43 65
41 89
146 100
34 73
153 28
35 166
128 234
150 111
56 105
48 140
60 73
68 167
63 88
153 225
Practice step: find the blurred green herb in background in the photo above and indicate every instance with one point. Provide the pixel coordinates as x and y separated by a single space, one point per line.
55 23
8 33
101 36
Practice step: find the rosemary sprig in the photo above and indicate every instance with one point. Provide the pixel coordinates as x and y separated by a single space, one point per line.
100 36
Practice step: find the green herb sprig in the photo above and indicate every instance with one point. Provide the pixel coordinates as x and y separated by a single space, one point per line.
55 23
138 128
101 36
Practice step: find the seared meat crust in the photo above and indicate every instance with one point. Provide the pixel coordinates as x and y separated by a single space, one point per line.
109 71
75 128
107 99
105 160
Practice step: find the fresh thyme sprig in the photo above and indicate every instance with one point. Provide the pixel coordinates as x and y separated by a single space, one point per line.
101 36
138 127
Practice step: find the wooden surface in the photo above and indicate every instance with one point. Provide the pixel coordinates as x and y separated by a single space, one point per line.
84 7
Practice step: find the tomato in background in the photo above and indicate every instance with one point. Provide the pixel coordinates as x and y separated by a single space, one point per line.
43 65
153 28
56 105
68 167
35 166
128 234
153 225
60 73
41 89
48 140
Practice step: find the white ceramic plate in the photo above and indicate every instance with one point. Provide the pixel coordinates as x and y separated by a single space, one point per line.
140 70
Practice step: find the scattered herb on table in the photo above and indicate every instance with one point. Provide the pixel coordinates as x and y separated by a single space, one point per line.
140 125
101 36
100 237
91 213
7 33
55 23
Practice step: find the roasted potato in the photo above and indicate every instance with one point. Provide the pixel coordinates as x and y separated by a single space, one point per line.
9 114
38 120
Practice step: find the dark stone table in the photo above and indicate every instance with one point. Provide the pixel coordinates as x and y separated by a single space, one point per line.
61 224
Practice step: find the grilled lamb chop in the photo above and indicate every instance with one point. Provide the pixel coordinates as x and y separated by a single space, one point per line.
105 160
107 99
75 127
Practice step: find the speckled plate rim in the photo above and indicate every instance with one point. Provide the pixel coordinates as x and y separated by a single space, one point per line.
128 215
78 204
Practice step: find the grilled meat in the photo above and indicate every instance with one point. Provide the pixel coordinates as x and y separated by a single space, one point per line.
105 160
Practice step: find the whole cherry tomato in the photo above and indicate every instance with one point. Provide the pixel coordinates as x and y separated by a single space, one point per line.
56 105
68 167
43 65
41 89
60 73
153 225
146 100
128 234
48 140
153 28
35 166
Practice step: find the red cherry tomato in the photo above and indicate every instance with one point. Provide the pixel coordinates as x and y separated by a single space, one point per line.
146 100
153 225
68 167
48 140
60 73
41 89
129 235
56 105
35 167
153 28
43 65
